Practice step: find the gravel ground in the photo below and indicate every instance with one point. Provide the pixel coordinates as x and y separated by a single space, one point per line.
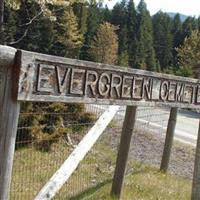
147 147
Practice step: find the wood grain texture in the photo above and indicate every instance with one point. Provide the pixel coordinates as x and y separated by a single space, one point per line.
56 79
122 157
72 162
169 139
9 112
196 175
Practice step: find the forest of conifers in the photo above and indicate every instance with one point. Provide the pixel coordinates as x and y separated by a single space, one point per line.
131 38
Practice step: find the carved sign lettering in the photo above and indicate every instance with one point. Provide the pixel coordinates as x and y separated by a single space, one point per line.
50 78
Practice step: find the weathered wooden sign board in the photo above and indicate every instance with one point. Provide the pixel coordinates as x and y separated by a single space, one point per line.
51 78
29 76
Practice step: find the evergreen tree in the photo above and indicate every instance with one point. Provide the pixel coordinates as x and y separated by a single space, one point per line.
188 26
119 14
163 39
145 54
105 44
10 28
106 14
69 34
198 23
93 21
37 36
131 31
119 18
2 22
177 37
176 30
80 10
189 55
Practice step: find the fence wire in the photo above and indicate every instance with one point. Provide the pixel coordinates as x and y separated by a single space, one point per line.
40 151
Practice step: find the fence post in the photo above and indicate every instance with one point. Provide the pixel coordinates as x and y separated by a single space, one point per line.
196 174
9 112
127 130
169 139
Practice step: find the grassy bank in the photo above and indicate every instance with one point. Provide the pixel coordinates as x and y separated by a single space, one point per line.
147 184
92 179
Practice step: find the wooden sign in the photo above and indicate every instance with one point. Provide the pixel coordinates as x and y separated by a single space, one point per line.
55 79
31 76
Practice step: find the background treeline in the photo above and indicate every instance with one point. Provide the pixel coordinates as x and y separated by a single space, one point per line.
127 35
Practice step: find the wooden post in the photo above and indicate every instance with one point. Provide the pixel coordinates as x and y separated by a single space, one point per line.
9 112
169 139
196 174
128 126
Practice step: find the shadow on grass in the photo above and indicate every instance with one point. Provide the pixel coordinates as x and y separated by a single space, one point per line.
91 190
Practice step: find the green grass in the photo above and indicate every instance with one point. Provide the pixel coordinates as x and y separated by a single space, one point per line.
93 178
145 184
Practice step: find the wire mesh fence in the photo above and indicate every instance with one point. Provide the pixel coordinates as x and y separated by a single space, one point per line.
40 150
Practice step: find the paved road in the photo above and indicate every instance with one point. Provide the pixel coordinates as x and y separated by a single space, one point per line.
186 127
155 119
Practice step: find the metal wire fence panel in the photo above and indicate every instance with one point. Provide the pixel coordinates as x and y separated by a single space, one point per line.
44 141
38 157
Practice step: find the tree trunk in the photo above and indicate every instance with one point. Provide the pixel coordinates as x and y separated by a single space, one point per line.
196 173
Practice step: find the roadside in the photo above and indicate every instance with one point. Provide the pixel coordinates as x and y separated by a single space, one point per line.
156 119
33 168
147 147
143 179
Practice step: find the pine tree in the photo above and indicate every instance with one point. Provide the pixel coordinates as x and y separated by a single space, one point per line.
106 14
119 18
2 22
145 54
69 35
163 39
80 10
189 55
198 23
177 37
93 21
105 44
176 30
10 28
39 35
188 26
131 31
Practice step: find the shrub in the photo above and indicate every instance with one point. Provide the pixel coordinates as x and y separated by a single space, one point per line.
44 123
